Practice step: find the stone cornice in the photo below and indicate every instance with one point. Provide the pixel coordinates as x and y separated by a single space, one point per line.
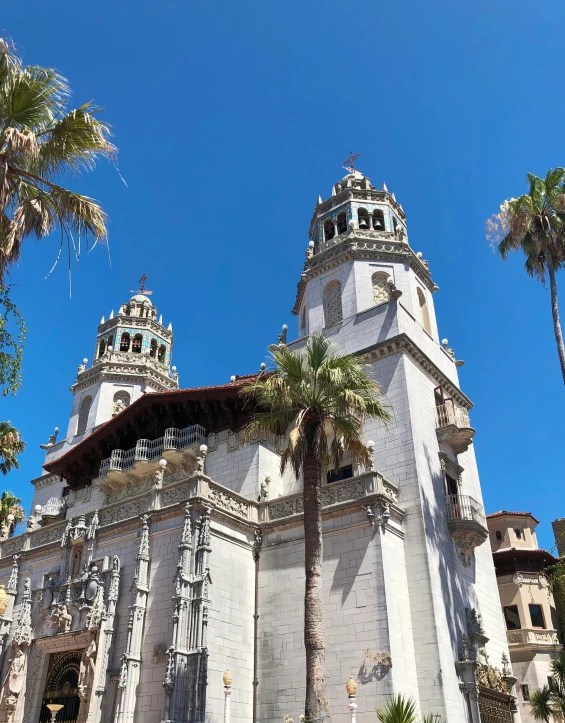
125 371
404 345
359 245
45 480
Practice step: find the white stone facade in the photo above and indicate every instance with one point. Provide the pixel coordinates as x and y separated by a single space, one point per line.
219 584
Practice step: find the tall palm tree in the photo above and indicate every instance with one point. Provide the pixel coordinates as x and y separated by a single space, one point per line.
535 224
320 398
40 141
10 505
548 703
10 446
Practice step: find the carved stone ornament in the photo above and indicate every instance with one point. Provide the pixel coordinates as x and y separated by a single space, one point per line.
160 653
86 670
490 677
474 622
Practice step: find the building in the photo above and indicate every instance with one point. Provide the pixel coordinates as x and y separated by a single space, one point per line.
527 604
163 549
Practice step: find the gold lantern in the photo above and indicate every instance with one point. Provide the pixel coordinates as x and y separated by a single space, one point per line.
228 679
4 600
351 687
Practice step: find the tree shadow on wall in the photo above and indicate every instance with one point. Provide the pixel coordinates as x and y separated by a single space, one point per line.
457 581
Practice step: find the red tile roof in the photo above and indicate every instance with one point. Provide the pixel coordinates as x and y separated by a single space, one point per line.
506 513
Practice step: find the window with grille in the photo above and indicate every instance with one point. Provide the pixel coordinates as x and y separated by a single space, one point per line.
333 310
381 292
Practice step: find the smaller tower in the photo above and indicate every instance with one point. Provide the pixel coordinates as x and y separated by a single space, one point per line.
132 356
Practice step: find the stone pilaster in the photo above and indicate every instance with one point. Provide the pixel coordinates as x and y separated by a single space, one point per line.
105 638
187 659
7 619
131 660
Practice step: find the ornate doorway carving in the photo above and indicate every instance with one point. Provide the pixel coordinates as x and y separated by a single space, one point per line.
62 686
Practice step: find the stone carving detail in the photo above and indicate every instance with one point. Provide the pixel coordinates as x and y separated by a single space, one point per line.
228 502
524 578
490 677
24 633
265 489
14 681
175 495
87 667
474 622
121 401
61 620
13 581
160 653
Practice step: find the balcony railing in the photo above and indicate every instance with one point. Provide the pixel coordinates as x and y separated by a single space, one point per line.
148 450
448 414
463 507
530 636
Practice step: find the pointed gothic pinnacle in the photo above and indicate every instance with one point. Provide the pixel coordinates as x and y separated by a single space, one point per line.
385 189
319 200
333 190
102 320
112 314
393 197
170 327
161 319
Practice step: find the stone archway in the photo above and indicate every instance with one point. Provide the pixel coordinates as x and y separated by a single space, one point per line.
62 686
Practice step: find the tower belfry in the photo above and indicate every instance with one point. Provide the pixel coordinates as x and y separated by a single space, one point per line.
132 356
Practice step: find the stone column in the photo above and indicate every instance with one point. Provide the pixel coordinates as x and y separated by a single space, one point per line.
7 619
104 644
131 660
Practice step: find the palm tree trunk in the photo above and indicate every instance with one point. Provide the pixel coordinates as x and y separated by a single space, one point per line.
317 705
555 314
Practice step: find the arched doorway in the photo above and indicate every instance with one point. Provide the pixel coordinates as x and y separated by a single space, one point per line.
62 686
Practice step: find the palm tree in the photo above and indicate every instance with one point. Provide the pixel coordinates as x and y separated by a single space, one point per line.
398 710
549 702
40 140
320 399
10 505
10 446
535 224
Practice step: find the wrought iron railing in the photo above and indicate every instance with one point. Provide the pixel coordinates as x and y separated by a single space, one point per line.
450 414
147 450
463 507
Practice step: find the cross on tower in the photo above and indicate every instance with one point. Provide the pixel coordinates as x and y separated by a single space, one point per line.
349 163
142 289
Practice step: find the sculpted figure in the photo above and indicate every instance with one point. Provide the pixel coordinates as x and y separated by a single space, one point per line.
61 619
86 670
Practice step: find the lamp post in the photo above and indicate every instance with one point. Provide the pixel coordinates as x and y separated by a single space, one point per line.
227 693
54 708
351 688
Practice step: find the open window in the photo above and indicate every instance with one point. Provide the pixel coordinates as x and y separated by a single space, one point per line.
102 347
329 229
363 218
137 343
378 220
336 475
341 222
124 342
153 348
162 353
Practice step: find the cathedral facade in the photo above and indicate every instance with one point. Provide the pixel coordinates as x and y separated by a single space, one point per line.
163 549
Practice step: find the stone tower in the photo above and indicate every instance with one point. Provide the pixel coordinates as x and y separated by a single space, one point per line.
436 603
132 356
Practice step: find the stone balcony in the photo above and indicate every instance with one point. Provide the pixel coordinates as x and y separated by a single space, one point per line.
176 446
467 525
453 427
532 638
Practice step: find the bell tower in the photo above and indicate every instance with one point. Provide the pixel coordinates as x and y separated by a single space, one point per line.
132 356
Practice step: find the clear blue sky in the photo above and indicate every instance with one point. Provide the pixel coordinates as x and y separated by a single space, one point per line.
232 117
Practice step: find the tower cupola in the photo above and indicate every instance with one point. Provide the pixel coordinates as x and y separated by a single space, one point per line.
132 356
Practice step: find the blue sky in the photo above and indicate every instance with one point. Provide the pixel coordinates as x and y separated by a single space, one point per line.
231 118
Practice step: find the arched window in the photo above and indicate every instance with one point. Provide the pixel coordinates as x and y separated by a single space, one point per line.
121 401
394 224
303 321
102 347
363 218
518 532
162 353
83 414
381 290
332 303
137 343
341 222
378 220
329 229
424 311
124 342
498 535
153 348
111 340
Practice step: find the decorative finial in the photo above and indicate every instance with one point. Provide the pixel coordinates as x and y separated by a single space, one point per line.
232 378
349 163
385 189
228 679
351 687
142 289
263 366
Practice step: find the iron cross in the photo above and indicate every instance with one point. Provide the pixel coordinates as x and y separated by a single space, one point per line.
349 163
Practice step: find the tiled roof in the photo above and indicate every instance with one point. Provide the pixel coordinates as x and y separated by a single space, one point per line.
506 513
